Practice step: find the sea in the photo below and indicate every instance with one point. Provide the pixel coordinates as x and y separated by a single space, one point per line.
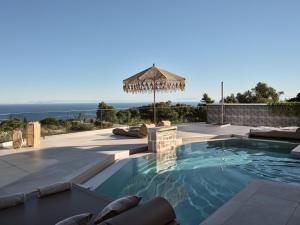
36 112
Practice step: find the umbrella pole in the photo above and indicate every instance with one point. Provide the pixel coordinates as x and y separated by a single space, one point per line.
154 107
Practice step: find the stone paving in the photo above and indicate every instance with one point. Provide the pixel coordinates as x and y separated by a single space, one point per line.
260 203
59 159
194 129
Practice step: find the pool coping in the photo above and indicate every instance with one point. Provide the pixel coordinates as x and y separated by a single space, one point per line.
261 202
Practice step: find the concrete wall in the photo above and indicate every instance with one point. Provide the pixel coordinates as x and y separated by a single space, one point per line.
249 115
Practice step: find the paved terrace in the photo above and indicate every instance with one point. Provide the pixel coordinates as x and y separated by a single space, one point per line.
77 156
260 203
62 157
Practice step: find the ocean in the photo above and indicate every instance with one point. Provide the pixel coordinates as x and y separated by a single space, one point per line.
35 112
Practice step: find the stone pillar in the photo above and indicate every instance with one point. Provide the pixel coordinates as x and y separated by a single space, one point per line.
33 134
17 138
162 139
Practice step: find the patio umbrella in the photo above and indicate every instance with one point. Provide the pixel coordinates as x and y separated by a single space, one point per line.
154 80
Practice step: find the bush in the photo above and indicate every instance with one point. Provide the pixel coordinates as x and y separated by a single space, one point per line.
46 131
5 136
103 125
11 124
50 121
106 113
82 127
285 109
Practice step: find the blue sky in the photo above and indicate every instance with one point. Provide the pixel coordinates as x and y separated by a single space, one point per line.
80 51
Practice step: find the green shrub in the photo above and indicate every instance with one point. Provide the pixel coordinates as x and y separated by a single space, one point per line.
82 127
285 109
50 121
5 136
103 125
11 124
46 131
106 113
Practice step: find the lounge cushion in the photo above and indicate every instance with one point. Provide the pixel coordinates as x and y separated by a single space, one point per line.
117 207
80 219
276 132
164 123
53 189
157 211
11 200
174 222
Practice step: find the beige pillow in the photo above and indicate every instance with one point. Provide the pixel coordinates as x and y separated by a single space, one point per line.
117 207
53 189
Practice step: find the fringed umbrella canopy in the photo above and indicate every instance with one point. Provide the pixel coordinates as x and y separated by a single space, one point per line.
153 79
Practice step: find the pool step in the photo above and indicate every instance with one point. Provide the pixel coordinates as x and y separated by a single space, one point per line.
90 170
296 152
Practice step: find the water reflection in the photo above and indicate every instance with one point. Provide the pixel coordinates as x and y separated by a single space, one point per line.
166 161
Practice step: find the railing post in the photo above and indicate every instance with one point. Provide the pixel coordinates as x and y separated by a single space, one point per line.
101 118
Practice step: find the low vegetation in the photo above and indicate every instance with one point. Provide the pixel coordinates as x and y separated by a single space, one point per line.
286 109
107 116
179 113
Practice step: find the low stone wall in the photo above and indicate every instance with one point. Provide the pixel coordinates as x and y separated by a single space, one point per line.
162 139
249 115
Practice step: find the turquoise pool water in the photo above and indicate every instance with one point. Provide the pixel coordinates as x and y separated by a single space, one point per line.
198 178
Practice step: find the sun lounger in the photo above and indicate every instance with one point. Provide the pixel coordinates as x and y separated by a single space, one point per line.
273 132
53 208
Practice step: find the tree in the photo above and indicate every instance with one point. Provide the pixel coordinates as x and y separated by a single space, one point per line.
295 99
230 99
106 113
265 93
123 116
246 97
261 93
206 99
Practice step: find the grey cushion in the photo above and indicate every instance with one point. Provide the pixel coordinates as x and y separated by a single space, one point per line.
11 200
80 219
54 188
117 207
157 211
174 222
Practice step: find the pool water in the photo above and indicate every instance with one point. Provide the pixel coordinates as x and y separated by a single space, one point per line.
198 178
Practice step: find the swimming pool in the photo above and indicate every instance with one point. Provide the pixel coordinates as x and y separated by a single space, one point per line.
198 178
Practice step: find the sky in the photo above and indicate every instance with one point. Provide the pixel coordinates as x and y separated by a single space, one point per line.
81 50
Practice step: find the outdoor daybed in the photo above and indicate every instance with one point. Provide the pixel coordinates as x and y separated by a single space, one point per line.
53 208
273 132
136 131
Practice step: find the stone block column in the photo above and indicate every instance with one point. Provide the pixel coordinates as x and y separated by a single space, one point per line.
162 139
